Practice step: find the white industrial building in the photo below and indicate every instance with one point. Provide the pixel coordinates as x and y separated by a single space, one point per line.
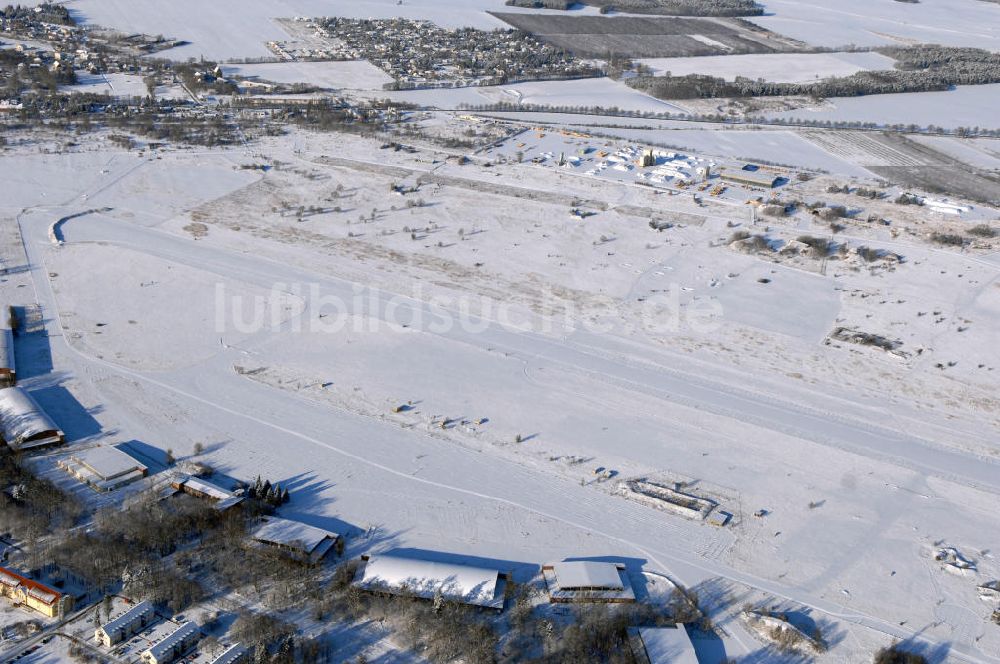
23 423
662 645
476 586
299 540
171 647
588 581
126 625
105 468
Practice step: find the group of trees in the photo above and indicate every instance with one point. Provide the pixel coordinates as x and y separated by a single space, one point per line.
917 69
267 493
46 12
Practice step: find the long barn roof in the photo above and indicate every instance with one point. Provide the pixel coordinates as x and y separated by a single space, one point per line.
21 417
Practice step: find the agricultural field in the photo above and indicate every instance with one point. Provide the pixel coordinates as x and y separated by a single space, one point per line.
647 37
333 75
863 23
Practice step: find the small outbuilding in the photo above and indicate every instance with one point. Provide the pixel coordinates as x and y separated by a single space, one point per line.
299 540
223 499
662 645
476 586
588 581
23 423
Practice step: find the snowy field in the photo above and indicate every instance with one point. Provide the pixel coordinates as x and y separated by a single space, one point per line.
587 92
350 74
115 85
965 106
866 23
776 67
745 409
249 24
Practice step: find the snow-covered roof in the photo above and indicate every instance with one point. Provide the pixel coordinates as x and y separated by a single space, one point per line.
165 646
232 654
124 620
668 645
207 488
587 575
21 420
33 588
479 586
107 462
294 534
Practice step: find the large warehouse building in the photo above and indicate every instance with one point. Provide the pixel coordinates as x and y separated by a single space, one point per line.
476 586
759 179
104 468
23 423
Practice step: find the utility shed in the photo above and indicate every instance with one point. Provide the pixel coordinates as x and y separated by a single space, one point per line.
662 645
8 373
105 468
476 586
298 539
23 423
588 581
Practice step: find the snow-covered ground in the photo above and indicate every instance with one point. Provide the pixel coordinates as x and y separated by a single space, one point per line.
115 85
964 106
866 23
582 93
351 74
777 67
864 461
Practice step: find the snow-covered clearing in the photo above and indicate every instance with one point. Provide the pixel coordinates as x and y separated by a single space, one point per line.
115 85
777 67
350 74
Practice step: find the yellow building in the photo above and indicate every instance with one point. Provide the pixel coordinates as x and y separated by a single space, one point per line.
32 594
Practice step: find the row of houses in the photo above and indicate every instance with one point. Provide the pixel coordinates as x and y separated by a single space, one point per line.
168 649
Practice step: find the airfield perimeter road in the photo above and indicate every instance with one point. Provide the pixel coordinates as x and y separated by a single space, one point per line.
305 431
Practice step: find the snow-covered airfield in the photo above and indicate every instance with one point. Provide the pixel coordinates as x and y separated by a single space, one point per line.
534 348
